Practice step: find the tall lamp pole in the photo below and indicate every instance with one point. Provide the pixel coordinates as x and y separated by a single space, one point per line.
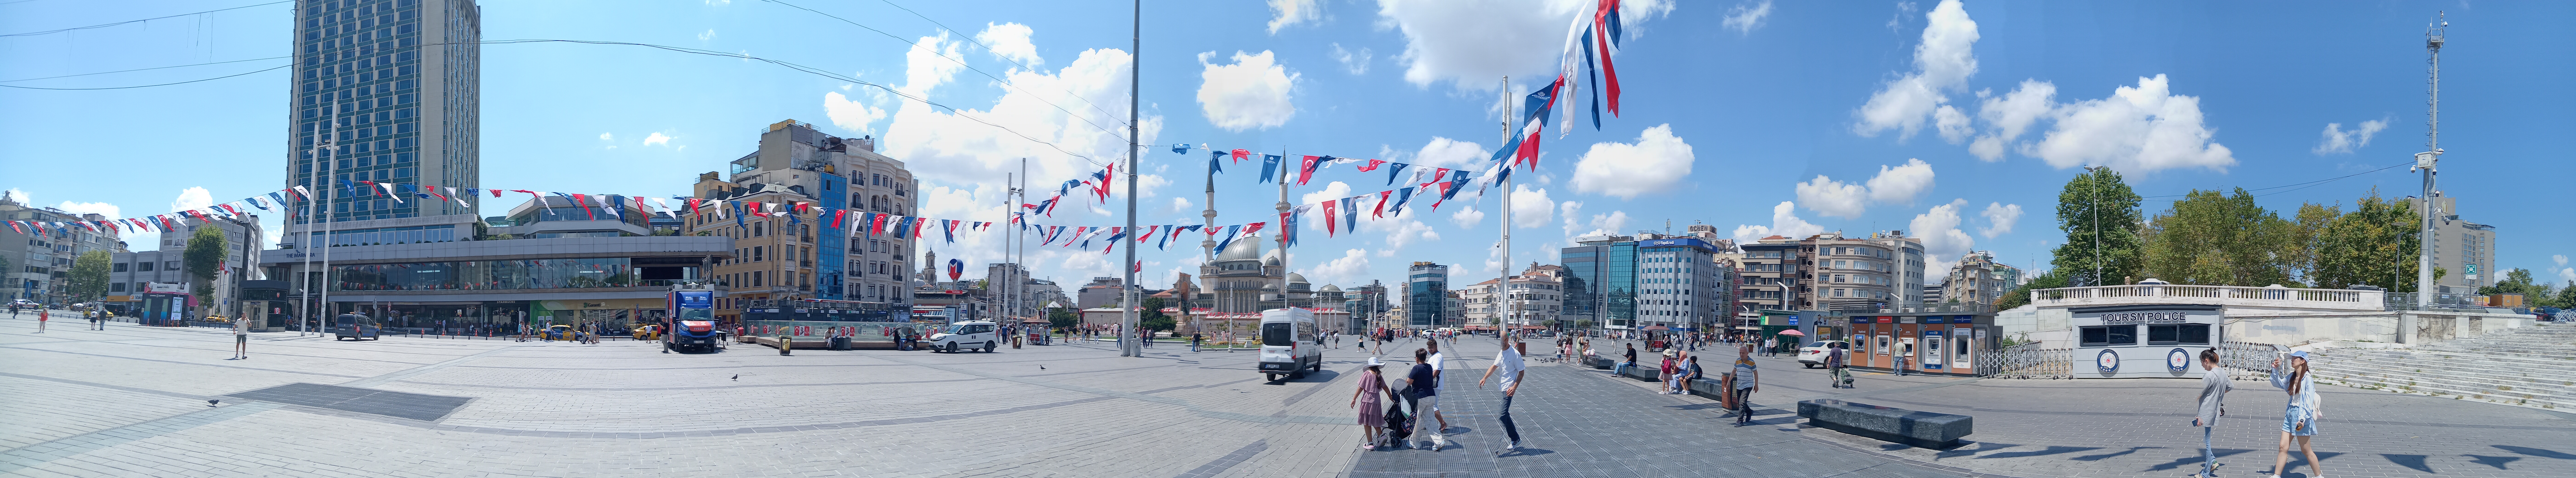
1127 344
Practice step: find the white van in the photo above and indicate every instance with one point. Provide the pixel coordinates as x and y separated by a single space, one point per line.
965 335
1291 344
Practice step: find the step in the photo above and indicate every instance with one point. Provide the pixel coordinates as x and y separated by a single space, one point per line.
2390 368
2514 397
2464 381
2438 364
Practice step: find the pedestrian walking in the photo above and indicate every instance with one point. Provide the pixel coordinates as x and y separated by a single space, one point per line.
2299 419
1439 364
1838 366
1420 384
241 340
1748 379
1194 341
1903 352
1509 363
1372 411
2213 397
43 316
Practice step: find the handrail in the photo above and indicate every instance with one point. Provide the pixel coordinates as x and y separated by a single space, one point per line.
2356 297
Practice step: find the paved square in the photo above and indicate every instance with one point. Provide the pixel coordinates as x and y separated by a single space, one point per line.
132 401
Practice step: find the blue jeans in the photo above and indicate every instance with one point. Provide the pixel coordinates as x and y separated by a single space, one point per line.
2208 459
1622 369
1509 429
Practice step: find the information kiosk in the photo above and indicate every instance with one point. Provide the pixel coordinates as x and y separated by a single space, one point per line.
2143 341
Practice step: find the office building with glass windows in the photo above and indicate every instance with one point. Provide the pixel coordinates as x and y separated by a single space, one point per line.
1426 296
386 91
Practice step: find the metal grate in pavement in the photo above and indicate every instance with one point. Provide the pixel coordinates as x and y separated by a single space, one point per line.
361 400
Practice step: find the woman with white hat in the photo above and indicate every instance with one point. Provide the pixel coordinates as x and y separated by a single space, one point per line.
1372 411
2299 421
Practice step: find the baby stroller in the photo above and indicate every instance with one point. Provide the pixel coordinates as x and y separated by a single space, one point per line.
1399 426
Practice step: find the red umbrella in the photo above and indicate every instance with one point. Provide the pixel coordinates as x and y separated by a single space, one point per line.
1793 332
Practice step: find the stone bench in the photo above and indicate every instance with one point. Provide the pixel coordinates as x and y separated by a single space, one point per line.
1601 363
1940 431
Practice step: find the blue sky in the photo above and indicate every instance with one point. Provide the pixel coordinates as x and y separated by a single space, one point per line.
1849 112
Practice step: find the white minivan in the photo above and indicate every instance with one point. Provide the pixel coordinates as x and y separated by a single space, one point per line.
1291 343
978 334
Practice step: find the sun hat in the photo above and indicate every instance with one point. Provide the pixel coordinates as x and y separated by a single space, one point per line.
1374 363
2299 354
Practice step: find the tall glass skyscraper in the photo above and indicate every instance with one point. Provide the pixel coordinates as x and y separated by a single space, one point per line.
386 91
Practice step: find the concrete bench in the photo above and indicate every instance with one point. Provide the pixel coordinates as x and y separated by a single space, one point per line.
1602 363
1939 431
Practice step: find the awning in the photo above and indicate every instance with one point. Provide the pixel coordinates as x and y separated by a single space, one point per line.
1657 328
1793 332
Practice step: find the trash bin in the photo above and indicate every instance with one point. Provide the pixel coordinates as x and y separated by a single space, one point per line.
840 343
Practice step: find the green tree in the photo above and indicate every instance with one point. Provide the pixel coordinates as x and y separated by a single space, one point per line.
2099 213
2020 296
1062 319
2208 238
2567 295
89 275
2519 281
2374 244
1152 318
2308 227
204 257
1583 324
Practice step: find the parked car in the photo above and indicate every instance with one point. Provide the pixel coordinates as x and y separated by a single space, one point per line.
1813 355
354 326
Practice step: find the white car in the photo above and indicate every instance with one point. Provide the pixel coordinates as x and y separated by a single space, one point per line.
1813 355
965 335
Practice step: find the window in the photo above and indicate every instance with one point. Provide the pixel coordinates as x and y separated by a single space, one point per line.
2110 335
120 267
170 265
116 287
758 254
759 229
755 278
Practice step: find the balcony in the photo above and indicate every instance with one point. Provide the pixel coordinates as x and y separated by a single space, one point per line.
2264 297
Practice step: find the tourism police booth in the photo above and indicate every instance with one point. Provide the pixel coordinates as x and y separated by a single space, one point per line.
2143 341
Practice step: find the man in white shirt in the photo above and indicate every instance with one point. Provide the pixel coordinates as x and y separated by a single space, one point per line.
1509 362
1439 384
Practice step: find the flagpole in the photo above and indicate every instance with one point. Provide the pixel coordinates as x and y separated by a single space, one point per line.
1128 347
1504 284
1282 206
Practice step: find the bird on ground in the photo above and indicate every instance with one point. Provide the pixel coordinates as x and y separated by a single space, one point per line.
212 402
737 377
1041 367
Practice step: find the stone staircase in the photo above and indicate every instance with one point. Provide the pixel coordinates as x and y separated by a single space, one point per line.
2530 366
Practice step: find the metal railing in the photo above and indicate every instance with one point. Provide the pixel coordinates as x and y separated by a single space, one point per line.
2250 358
2026 361
2199 291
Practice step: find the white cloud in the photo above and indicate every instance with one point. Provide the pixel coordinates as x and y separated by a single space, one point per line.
1356 62
2336 140
850 114
2567 274
1952 124
2012 114
1834 198
1656 163
1404 229
1939 228
2561 259
1352 267
1251 93
17 196
1744 19
1284 13
719 3
1942 62
99 208
1784 223
1472 42
954 148
1467 217
1010 41
192 198
709 35
1180 204
657 139
2138 129
607 137
1530 207
1332 191
1448 153
1902 183
1599 224
1999 219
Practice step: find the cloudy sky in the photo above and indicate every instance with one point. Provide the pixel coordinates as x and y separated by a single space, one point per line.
1954 121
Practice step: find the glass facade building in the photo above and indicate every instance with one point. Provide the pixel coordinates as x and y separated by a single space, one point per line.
586 273
1426 295
385 91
